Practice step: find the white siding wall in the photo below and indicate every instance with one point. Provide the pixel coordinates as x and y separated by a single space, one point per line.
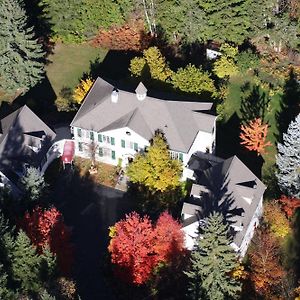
202 142
250 230
118 135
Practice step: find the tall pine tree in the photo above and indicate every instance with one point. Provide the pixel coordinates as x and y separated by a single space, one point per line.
288 160
21 56
212 262
25 263
5 292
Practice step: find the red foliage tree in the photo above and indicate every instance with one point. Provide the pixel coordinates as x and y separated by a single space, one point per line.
254 136
47 227
169 239
130 36
137 246
289 205
266 270
132 248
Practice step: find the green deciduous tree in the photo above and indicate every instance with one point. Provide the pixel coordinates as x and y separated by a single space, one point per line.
25 263
77 20
21 56
66 19
212 262
193 80
155 169
204 20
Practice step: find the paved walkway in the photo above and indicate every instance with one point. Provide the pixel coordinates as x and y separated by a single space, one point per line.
122 184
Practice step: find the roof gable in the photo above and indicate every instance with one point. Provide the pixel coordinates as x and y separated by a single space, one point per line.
234 189
177 119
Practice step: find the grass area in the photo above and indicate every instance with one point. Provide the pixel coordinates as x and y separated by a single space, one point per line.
69 62
104 174
244 102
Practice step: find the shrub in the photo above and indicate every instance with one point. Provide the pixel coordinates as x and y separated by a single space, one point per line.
137 65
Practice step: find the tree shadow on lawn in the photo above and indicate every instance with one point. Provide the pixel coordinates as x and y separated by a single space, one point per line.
254 103
289 106
41 21
115 69
115 65
90 210
228 144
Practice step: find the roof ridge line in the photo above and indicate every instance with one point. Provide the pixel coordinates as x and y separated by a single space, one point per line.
86 96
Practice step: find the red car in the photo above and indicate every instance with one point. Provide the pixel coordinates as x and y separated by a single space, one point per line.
68 153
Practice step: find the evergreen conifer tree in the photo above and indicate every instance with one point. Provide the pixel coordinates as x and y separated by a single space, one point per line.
34 184
5 292
288 160
21 56
25 263
212 262
48 264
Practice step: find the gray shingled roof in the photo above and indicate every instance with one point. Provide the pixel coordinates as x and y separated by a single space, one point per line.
179 120
19 130
230 181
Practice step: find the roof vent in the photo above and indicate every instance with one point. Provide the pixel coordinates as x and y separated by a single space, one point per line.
114 96
141 92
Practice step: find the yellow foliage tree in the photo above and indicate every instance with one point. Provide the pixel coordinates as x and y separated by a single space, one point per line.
156 62
82 89
226 66
155 169
276 219
137 65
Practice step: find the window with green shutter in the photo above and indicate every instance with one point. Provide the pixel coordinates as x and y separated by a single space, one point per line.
80 147
112 140
181 157
91 135
123 143
100 138
79 133
136 146
113 154
100 151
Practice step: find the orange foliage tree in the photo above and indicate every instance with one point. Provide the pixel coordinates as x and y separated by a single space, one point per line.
137 246
46 227
254 136
266 270
130 36
289 205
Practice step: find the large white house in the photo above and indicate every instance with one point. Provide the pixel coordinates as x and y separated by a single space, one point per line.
226 186
115 124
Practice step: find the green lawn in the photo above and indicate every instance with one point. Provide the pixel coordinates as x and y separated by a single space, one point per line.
233 105
69 62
